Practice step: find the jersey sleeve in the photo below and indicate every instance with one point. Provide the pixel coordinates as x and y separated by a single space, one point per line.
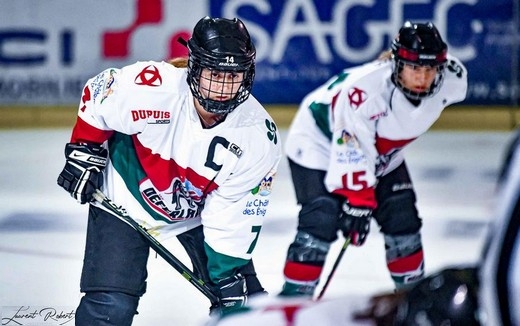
90 126
115 100
234 213
456 81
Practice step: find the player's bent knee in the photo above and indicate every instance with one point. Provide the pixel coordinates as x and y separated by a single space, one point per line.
319 217
398 215
106 308
308 249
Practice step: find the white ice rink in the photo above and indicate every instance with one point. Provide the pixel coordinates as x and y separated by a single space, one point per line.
42 229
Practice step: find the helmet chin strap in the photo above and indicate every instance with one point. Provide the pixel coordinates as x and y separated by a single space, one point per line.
414 101
211 121
207 118
217 107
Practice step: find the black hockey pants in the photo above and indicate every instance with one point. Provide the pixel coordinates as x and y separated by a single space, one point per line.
114 269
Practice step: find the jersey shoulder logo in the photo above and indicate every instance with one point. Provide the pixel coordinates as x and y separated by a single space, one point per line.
149 76
356 97
271 133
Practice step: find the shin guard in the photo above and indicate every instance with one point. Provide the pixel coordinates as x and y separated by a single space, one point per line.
106 309
405 259
305 260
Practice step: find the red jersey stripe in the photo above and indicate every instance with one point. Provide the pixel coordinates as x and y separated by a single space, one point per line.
86 133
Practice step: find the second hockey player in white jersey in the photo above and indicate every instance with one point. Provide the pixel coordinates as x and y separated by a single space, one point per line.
345 154
486 293
186 150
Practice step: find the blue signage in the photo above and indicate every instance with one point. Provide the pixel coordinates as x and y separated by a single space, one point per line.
301 43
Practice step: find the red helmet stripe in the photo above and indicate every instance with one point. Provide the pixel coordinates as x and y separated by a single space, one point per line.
407 55
441 57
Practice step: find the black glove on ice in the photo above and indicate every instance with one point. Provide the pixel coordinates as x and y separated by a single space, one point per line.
354 222
82 173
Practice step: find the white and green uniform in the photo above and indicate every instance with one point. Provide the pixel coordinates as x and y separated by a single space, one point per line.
350 132
170 173
355 126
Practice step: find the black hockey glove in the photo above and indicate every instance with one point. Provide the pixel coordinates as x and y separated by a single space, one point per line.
232 292
82 173
354 222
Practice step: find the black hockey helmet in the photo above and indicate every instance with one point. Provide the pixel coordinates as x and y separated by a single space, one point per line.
449 297
419 44
223 45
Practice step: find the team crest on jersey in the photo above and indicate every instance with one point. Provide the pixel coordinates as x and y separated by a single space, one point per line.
383 160
182 202
356 97
149 76
265 186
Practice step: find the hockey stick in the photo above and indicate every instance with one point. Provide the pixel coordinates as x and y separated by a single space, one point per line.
334 267
157 246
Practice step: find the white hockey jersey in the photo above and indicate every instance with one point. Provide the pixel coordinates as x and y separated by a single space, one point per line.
355 126
170 173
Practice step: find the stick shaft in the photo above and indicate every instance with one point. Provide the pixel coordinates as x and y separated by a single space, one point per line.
334 267
158 247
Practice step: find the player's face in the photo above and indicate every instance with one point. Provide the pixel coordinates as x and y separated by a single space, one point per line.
418 78
219 85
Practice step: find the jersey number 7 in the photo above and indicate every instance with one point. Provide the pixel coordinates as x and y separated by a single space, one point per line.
255 229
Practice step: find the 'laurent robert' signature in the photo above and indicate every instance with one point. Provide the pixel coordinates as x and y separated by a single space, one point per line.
25 315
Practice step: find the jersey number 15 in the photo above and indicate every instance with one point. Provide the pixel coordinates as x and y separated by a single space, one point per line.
355 180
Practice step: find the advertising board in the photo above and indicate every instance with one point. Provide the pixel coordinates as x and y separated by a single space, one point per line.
49 48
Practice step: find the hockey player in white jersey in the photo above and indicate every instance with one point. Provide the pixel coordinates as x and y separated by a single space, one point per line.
345 154
188 152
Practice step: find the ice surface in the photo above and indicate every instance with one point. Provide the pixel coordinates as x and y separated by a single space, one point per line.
42 229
